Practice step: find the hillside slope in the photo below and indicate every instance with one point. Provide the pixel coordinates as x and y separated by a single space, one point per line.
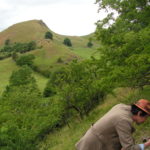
48 51
65 138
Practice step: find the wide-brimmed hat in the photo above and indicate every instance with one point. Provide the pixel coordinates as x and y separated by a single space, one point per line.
144 105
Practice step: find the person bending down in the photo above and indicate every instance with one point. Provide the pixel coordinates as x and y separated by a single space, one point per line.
114 130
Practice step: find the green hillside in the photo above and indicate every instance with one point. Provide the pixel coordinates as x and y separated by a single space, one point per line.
54 92
50 51
66 138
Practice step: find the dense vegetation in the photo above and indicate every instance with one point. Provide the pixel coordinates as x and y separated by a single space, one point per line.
67 42
25 115
74 90
126 43
9 49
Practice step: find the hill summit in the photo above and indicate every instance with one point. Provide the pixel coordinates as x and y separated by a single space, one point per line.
24 31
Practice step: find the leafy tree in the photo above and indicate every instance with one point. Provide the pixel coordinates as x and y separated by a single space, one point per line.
21 77
67 42
48 35
89 44
81 87
125 42
25 60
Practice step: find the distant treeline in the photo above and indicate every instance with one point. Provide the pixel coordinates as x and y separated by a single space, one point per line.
8 49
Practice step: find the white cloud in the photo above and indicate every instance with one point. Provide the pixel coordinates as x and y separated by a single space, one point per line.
68 17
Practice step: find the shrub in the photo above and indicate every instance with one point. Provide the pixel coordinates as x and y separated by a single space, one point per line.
25 60
48 35
67 42
89 44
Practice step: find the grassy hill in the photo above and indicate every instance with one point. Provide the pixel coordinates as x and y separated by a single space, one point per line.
50 51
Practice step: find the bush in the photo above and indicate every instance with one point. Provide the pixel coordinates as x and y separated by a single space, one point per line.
59 60
25 60
67 42
49 90
89 44
26 116
48 35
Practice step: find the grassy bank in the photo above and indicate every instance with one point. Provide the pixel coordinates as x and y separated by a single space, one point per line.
65 138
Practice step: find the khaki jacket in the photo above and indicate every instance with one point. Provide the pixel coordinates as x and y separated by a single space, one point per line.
112 132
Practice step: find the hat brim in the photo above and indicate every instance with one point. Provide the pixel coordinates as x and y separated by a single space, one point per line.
142 109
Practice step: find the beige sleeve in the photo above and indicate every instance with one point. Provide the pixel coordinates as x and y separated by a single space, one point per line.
124 130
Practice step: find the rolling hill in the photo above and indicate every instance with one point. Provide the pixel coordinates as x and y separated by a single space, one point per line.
48 51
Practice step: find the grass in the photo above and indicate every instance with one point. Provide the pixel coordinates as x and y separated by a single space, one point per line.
65 138
7 66
86 53
40 80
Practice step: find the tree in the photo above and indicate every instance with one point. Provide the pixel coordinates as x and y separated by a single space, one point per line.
48 35
89 44
25 60
67 42
21 77
125 42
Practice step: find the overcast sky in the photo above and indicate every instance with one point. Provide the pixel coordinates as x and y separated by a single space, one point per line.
67 17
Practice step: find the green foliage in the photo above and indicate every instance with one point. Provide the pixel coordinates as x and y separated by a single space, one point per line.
49 90
81 86
9 49
89 44
67 42
7 42
126 42
59 60
21 77
48 35
32 45
25 60
25 115
14 56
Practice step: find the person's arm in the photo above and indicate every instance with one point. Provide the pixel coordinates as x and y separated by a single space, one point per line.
147 144
124 130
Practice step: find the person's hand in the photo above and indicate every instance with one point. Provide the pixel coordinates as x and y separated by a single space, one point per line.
146 144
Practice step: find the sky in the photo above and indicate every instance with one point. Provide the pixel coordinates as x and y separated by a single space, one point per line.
66 17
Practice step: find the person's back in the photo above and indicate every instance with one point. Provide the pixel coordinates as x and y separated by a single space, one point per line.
104 133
